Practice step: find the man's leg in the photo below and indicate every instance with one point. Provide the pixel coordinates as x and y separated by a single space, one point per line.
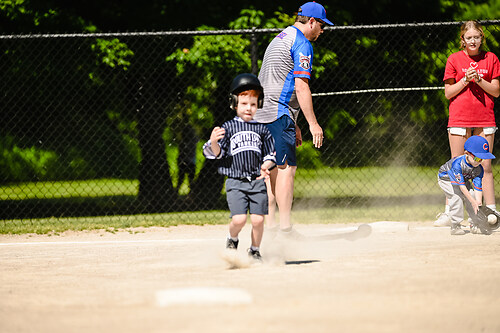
271 190
284 193
280 185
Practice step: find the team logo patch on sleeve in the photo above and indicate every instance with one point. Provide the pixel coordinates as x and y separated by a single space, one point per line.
281 35
304 61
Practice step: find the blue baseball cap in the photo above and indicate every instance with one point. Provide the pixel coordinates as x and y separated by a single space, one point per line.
479 147
314 9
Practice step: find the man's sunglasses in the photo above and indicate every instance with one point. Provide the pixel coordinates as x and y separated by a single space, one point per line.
322 23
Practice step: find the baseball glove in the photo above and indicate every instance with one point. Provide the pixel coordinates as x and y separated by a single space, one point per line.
482 220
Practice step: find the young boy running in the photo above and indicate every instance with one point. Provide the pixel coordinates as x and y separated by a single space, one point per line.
454 179
246 152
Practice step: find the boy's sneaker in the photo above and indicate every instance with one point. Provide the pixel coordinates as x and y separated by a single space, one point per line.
442 220
231 244
475 229
255 254
456 229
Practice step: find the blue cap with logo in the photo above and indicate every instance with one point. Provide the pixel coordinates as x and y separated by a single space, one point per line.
314 9
479 147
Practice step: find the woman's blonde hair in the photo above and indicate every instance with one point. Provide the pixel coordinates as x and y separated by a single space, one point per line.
471 25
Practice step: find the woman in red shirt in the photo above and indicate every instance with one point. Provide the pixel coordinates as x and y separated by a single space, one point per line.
471 82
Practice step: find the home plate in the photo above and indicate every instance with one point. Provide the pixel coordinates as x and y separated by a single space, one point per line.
202 296
389 226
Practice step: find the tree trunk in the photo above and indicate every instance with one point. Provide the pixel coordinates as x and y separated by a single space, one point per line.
156 192
206 191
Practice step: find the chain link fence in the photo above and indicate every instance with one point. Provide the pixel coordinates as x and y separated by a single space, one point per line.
112 124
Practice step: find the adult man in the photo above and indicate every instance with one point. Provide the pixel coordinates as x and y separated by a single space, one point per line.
285 74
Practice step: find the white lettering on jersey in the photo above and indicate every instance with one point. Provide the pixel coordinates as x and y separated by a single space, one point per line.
245 140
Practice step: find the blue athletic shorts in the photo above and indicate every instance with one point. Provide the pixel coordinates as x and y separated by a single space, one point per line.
283 132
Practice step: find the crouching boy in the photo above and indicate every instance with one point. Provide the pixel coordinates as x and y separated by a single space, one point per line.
455 178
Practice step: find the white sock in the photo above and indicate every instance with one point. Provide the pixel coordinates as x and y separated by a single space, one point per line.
492 207
233 238
254 248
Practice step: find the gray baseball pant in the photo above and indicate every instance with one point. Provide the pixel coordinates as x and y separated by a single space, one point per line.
456 200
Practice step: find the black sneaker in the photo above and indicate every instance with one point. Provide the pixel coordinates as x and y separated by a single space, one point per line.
255 254
231 244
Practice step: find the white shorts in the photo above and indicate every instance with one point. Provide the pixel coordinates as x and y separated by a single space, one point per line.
463 130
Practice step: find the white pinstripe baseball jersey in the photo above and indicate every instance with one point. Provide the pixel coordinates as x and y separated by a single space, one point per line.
244 147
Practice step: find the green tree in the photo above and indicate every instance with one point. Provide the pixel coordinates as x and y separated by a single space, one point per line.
205 70
144 123
474 10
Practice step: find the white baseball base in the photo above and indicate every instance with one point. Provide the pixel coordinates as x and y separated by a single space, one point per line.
389 226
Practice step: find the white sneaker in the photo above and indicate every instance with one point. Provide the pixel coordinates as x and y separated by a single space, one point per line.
474 229
442 220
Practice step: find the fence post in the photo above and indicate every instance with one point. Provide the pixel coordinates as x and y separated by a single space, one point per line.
253 41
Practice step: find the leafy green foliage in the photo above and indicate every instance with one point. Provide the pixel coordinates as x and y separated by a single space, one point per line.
202 66
339 119
113 53
251 17
19 164
210 63
308 156
22 10
477 10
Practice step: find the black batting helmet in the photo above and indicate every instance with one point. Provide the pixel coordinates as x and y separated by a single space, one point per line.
242 82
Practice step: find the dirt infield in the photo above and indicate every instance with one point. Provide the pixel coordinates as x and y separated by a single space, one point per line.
416 280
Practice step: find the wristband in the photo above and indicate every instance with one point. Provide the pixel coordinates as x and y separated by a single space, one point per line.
464 82
479 78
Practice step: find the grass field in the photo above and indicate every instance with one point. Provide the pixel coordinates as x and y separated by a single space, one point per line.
300 216
326 182
328 195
